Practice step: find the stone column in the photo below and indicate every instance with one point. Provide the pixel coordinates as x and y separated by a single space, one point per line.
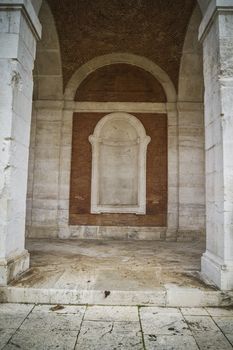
216 33
19 30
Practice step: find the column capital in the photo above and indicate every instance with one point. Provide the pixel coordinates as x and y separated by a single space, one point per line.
214 9
28 11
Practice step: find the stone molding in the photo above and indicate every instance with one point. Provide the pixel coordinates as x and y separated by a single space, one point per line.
218 271
130 107
28 12
214 9
13 266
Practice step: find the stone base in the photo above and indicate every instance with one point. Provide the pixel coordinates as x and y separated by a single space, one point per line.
12 267
130 233
216 271
118 232
168 296
190 235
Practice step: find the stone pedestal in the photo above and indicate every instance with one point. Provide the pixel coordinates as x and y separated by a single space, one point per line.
216 33
19 30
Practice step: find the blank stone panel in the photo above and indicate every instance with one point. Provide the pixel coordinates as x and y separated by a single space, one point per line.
119 147
118 175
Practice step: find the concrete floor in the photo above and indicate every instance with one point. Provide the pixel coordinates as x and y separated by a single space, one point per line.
115 273
42 327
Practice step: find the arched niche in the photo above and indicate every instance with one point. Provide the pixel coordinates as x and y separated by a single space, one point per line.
118 183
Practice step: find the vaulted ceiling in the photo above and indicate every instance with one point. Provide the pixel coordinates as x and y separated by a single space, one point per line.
152 28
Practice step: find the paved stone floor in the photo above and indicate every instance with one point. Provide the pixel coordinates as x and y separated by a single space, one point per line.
111 265
114 327
81 272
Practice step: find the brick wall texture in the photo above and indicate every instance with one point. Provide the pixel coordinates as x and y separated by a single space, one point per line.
156 188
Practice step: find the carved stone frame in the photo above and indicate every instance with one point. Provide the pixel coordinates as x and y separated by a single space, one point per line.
142 141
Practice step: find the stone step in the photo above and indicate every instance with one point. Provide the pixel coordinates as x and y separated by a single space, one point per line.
170 296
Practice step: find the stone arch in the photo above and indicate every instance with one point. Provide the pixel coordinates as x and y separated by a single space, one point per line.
104 60
48 67
191 85
203 4
37 5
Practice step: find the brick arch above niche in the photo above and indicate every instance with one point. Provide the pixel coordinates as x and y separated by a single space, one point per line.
120 82
141 62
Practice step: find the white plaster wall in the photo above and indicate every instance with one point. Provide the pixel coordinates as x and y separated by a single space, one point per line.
191 133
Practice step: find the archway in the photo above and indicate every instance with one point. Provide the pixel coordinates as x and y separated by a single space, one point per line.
157 105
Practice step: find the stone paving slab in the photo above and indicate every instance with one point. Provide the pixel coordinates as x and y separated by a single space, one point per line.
42 340
12 315
5 336
164 322
61 309
225 324
194 311
207 334
212 341
214 311
52 321
201 324
110 335
167 342
43 327
230 338
115 313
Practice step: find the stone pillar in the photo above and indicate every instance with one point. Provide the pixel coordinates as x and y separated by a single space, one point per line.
19 29
216 33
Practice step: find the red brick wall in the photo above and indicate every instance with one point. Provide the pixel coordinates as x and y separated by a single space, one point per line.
120 83
151 28
80 183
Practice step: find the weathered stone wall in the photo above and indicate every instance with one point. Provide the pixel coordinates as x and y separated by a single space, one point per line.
48 194
44 158
19 29
43 186
216 33
191 132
